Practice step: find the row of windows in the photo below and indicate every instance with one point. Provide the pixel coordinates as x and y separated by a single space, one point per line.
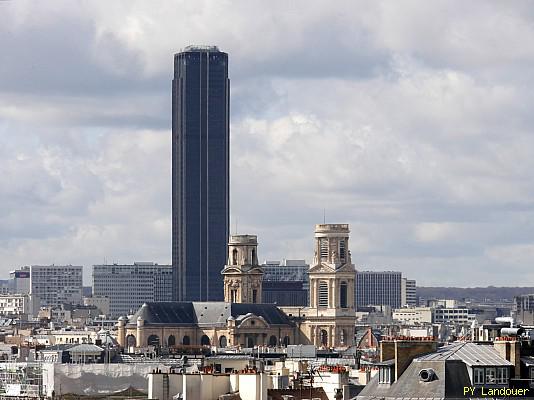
491 376
323 294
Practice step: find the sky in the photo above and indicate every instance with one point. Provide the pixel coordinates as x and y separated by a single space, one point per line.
412 121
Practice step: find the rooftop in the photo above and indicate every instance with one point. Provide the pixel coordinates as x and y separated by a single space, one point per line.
472 354
196 47
205 313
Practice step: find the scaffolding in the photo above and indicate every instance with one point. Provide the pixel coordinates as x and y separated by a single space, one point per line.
21 381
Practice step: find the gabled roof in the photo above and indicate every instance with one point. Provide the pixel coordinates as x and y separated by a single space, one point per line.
471 353
450 364
450 378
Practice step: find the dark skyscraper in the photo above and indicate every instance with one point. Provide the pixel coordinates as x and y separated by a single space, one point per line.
200 172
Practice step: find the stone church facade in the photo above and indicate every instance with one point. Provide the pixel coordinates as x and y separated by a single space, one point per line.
242 321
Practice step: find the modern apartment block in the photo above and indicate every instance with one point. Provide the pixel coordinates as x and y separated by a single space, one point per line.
20 280
452 315
5 286
286 283
128 286
409 293
378 288
56 284
200 172
524 309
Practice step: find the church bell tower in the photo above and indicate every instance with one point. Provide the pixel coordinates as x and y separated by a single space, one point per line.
242 274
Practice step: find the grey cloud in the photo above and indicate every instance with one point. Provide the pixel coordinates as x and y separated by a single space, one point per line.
411 122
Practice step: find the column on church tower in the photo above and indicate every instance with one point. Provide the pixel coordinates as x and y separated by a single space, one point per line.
242 275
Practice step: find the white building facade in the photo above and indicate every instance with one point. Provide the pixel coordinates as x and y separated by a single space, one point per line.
19 304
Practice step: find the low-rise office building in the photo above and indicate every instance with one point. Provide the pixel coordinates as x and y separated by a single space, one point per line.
378 288
56 284
129 286
524 309
413 316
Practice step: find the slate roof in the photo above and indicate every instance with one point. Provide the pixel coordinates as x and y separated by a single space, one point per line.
86 348
450 364
205 313
451 377
472 354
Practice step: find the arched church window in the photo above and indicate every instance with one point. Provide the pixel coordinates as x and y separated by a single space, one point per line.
324 338
186 341
234 257
205 341
130 341
273 341
323 294
223 342
342 336
153 340
287 342
343 295
171 341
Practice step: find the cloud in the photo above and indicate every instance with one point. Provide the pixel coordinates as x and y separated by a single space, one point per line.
409 121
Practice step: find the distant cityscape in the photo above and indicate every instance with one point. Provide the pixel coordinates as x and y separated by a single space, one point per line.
217 323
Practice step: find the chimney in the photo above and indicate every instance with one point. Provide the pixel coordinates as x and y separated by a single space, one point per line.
511 351
404 351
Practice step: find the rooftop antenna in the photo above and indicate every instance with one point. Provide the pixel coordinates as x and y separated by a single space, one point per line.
324 215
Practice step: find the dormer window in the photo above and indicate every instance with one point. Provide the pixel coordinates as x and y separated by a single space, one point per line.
503 375
491 376
478 376
385 375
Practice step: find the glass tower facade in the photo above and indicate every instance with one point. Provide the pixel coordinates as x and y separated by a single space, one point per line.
200 172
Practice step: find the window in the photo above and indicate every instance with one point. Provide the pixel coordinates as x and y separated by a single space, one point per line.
323 294
324 249
342 249
233 296
153 340
490 376
205 341
234 257
222 341
478 376
254 296
324 338
502 376
286 341
384 375
343 295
